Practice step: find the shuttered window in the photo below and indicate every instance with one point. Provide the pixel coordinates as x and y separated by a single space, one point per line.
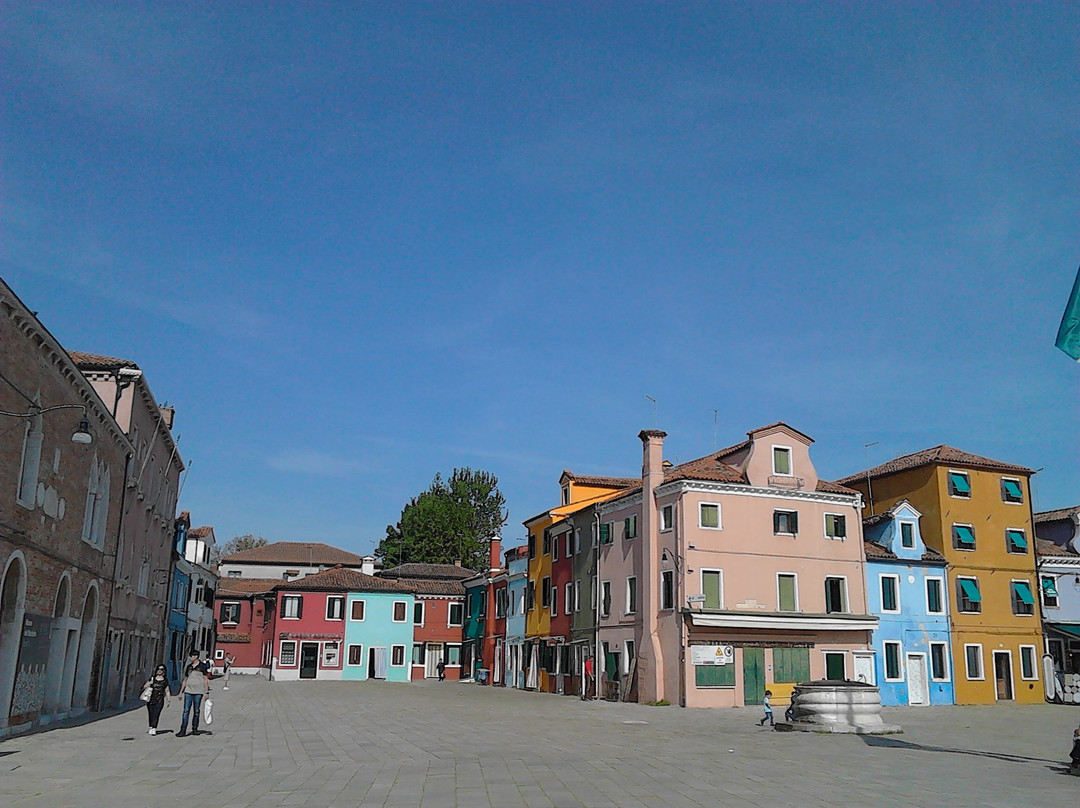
714 675
791 665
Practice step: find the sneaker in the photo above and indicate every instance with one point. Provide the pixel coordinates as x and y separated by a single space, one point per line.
150 731
181 734
153 731
224 688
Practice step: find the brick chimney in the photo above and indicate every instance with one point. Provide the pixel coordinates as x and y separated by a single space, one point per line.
495 554
650 665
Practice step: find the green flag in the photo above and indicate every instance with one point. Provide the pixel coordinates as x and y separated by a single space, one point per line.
1068 338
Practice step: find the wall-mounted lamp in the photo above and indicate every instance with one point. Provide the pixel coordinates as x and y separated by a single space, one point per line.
80 435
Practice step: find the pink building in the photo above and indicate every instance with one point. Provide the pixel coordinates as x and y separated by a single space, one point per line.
737 571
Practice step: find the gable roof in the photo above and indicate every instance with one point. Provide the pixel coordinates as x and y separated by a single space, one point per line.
775 425
937 455
341 579
598 482
879 551
200 532
95 361
438 572
1054 516
309 553
242 587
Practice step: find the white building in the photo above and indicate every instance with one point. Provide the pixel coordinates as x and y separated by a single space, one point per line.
204 581
292 560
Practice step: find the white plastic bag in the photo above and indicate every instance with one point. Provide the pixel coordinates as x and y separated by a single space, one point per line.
207 717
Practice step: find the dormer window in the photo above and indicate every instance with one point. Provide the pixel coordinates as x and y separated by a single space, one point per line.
566 494
781 460
907 535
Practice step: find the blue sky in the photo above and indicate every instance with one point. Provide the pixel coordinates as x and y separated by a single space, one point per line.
355 246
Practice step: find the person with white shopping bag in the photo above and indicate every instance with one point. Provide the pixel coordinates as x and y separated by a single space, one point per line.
195 687
156 695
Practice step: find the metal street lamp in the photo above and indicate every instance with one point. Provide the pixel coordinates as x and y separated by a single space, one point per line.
81 435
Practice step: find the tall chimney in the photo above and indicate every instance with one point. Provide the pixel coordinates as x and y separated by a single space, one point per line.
495 554
367 565
651 666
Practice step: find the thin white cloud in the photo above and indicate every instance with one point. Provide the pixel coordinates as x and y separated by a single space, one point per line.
314 463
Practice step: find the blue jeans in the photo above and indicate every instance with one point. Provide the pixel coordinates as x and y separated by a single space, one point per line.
191 700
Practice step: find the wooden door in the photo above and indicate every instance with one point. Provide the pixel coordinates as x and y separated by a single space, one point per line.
834 666
753 671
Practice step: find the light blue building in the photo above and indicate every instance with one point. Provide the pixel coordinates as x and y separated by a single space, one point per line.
379 616
517 571
907 592
1058 554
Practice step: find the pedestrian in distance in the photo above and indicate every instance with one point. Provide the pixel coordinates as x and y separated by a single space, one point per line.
767 704
587 687
1075 755
229 661
441 668
159 696
194 687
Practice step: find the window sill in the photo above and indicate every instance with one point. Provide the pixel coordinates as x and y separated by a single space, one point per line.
940 681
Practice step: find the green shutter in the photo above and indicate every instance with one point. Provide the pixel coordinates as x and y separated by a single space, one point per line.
964 534
714 675
960 483
787 593
1024 592
605 533
791 665
1012 488
710 585
971 590
793 520
840 526
1017 538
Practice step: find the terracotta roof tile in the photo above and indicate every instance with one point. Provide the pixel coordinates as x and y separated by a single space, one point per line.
1053 516
341 579
200 532
294 552
938 455
98 361
774 425
1048 548
232 587
442 572
605 482
431 587
932 555
875 550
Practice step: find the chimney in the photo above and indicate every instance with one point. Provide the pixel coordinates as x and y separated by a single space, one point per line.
168 415
650 665
367 565
495 554
457 562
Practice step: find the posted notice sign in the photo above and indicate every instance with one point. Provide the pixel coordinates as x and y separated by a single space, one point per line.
712 654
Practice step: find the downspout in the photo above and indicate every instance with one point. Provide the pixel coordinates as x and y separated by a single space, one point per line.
679 572
104 686
596 608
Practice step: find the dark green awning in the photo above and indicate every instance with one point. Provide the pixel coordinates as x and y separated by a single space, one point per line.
971 590
1064 629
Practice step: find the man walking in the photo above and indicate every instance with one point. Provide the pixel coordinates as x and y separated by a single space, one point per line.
195 685
229 660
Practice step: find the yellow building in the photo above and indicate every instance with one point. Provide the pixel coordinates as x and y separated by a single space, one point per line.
977 513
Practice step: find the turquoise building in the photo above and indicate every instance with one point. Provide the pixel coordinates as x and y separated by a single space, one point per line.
906 590
379 617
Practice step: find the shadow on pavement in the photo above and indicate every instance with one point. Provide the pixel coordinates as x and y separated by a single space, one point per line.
896 743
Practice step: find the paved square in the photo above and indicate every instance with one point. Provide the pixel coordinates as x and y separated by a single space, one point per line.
450 745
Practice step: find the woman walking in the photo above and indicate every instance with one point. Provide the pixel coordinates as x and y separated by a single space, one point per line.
158 685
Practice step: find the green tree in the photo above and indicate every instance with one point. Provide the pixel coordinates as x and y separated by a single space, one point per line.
247 541
451 521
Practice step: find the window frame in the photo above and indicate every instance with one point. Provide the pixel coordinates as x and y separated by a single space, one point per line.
790 460
719 516
1005 497
338 599
423 612
554 610
667 590
446 654
450 614
299 600
967 663
941 593
720 587
792 523
393 651
944 660
959 588
630 527
895 577
825 526
844 593
221 612
795 579
909 524
1034 663
605 599
349 655
955 536
899 646
545 592
281 654
1009 541
631 595
555 548
352 610
1042 592
667 518
1017 600
568 598
952 489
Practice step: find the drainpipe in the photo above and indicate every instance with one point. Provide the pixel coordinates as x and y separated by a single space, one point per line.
104 685
596 608
679 600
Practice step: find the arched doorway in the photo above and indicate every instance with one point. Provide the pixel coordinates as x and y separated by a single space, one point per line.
63 652
80 692
12 611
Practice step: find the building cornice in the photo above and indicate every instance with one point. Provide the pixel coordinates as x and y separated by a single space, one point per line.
738 489
795 622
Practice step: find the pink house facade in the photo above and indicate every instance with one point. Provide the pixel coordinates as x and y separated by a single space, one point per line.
734 573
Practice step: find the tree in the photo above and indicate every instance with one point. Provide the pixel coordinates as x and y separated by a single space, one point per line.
451 521
248 541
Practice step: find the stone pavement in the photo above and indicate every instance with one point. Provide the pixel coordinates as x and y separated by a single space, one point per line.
447 745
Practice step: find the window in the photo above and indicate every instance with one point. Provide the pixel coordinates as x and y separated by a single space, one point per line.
785 522
234 573
1049 592
605 599
356 655
418 613
532 546
628 660
963 537
568 598
397 655
577 595
835 665
530 596
787 592
1027 662
709 516
939 661
481 597
631 595
1023 602
335 608
230 613
892 662
566 495
292 607
455 616
605 533
667 589
711 587
835 595
1015 540
555 549
547 543
835 526
934 602
554 601
714 675
667 518
419 653
31 464
973 661
890 593
907 534
358 608
502 599
959 484
453 656
545 592
1011 490
288 654
97 502
968 597
630 527
781 460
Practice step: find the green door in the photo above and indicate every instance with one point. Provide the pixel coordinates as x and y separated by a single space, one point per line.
753 674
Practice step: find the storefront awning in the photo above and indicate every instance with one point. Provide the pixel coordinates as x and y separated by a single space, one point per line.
1064 628
790 622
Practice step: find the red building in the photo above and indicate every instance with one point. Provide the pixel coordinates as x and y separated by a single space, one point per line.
562 606
438 615
245 620
500 603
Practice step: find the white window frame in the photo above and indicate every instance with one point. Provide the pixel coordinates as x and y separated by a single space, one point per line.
948 483
671 575
847 594
957 545
900 530
281 654
450 614
667 518
363 608
719 516
942 593
825 525
568 597
577 595
299 608
881 591
423 612
794 575
555 547
701 583
404 657
1042 592
899 660
1019 483
945 656
1034 612
629 655
239 611
446 653
1034 663
339 598
348 655
554 611
960 578
790 460
1008 542
982 663
605 585
637 593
